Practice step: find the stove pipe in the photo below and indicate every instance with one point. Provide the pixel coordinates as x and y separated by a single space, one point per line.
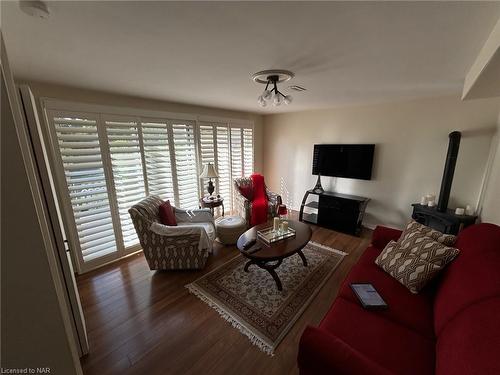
449 170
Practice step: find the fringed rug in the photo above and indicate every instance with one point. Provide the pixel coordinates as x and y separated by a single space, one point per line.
250 300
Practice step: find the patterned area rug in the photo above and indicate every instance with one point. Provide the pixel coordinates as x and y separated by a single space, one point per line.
250 300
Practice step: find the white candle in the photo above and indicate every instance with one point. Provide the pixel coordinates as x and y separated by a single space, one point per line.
459 211
423 201
276 224
284 226
469 210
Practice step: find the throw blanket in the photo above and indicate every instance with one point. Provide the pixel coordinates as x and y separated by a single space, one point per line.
259 202
184 230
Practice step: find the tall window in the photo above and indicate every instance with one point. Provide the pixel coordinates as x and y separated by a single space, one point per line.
127 171
230 149
185 165
156 146
225 184
107 163
87 194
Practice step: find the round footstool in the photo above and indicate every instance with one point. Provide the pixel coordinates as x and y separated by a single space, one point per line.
229 229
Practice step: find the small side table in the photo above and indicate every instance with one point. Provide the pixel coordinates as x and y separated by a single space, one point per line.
206 202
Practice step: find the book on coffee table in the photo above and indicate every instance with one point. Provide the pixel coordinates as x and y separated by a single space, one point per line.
269 235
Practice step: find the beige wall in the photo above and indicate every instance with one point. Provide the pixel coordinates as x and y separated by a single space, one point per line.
41 90
411 142
491 206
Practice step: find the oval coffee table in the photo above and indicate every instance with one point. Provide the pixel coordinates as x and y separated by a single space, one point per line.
270 257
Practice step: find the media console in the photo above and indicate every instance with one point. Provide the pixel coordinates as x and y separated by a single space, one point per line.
341 212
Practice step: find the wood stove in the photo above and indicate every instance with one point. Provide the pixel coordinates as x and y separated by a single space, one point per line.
440 217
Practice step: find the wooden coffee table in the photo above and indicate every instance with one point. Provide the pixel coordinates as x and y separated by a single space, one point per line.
270 257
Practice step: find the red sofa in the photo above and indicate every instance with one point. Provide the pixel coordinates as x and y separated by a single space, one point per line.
452 327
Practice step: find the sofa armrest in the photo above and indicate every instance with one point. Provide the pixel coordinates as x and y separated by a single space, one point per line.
383 235
176 230
323 353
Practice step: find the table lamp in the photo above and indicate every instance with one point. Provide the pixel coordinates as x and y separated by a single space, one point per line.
209 172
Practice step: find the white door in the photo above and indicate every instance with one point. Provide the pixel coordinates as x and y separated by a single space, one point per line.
58 231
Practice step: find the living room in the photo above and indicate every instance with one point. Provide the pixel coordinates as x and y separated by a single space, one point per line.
217 187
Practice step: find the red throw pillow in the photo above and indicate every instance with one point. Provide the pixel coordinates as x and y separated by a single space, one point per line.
167 216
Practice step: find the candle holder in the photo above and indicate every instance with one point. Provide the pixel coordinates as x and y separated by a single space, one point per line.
282 216
282 212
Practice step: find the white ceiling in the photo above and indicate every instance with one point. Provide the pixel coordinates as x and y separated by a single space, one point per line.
344 53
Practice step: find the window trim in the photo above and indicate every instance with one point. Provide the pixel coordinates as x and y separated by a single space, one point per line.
71 106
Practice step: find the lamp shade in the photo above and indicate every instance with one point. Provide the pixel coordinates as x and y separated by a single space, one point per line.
209 171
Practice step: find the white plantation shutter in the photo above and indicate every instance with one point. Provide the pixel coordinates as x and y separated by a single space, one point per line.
241 152
224 166
155 139
207 152
128 176
247 151
207 145
214 148
80 151
186 171
236 153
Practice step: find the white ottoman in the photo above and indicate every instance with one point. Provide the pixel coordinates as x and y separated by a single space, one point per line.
229 229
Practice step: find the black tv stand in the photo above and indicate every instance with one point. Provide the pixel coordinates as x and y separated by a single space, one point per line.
340 212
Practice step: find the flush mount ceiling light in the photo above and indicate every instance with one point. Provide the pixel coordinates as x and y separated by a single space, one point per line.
271 78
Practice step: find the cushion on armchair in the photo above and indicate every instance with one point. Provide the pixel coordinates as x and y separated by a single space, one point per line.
167 216
186 229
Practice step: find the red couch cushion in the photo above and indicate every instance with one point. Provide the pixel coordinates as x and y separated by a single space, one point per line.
470 342
383 235
473 276
412 311
325 354
167 216
384 342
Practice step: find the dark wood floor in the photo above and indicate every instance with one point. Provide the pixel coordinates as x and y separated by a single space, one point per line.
145 322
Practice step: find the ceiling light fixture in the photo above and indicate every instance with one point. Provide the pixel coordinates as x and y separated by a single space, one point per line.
271 78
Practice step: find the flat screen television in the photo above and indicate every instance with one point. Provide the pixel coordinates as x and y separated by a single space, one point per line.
341 160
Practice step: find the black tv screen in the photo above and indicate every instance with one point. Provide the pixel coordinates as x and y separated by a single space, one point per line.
348 161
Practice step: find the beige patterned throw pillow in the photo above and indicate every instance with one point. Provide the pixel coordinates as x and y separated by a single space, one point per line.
416 229
428 249
415 261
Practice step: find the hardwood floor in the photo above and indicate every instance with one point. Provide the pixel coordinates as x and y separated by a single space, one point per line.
145 322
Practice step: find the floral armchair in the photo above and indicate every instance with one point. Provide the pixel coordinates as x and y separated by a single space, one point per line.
243 189
185 246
